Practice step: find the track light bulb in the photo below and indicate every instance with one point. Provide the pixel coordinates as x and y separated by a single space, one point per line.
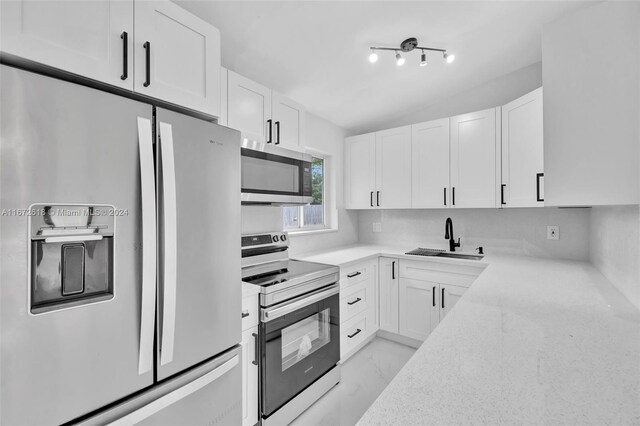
399 60
449 58
373 57
423 60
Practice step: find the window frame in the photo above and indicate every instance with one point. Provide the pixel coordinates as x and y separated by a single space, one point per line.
325 224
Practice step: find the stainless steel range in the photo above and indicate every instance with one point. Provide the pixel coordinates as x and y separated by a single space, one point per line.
299 331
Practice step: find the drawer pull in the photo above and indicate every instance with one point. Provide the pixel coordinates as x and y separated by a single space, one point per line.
245 314
351 336
355 274
354 302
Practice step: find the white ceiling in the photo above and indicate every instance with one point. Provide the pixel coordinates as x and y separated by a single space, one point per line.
316 52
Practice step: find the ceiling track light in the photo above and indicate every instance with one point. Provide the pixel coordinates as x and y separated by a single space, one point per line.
407 46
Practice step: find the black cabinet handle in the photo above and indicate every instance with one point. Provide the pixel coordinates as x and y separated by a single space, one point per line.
354 302
371 198
277 133
350 336
255 355
538 176
125 55
393 270
355 274
270 123
453 195
147 47
433 295
378 198
445 196
442 298
502 193
245 314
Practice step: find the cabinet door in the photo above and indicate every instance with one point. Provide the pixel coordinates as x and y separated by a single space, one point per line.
473 159
522 151
360 171
288 121
81 37
418 308
177 57
249 108
430 164
249 378
449 296
388 294
393 168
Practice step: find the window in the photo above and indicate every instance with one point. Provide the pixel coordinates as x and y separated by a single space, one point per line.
313 215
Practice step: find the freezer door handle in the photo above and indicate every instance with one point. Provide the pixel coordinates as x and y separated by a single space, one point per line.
148 299
163 402
170 240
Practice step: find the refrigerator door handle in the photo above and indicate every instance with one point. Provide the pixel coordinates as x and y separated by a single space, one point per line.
149 249
163 402
170 240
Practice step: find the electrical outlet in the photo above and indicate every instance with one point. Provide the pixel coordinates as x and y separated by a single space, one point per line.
377 227
553 232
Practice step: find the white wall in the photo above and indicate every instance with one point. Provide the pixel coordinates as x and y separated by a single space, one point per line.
496 92
507 231
322 137
614 239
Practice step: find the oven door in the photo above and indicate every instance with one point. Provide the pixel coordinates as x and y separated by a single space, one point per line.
276 176
299 343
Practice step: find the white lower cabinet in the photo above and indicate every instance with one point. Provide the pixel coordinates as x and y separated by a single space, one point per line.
419 310
249 359
389 294
250 377
358 306
449 296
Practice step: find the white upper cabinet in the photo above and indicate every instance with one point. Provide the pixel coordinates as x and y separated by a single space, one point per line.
262 115
474 159
393 168
89 38
590 68
360 171
522 152
288 121
177 56
249 108
430 164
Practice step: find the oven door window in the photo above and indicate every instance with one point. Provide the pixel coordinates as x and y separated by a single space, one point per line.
296 350
305 337
264 173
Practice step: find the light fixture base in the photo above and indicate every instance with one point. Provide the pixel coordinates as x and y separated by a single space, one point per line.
409 44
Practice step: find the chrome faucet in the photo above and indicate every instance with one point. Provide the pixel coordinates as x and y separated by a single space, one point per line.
448 235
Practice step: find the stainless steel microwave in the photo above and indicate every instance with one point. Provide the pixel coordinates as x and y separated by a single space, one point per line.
273 175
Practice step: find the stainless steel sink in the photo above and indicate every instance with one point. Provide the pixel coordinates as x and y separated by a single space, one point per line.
420 251
461 256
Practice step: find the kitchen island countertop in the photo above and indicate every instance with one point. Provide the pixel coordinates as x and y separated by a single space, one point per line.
533 341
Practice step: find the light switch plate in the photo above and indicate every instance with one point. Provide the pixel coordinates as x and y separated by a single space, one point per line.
377 227
553 232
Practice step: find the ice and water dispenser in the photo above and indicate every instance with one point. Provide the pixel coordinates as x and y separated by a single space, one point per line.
71 256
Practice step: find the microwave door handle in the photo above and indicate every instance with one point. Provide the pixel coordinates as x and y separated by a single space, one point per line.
170 242
148 299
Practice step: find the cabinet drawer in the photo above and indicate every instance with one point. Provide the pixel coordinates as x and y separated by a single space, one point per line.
249 312
355 274
354 332
356 299
445 273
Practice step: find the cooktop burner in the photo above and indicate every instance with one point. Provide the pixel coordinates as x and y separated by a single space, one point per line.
280 271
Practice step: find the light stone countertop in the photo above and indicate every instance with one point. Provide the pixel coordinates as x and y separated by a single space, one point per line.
533 341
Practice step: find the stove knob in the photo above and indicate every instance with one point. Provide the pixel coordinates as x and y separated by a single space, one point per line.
283 237
275 238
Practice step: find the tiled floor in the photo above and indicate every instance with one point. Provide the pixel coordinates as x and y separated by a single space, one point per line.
364 376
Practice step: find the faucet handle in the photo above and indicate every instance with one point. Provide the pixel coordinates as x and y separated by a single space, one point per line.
457 244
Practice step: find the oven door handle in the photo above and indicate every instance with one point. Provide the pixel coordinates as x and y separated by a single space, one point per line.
269 314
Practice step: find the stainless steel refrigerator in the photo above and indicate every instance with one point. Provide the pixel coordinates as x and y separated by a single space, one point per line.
120 260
